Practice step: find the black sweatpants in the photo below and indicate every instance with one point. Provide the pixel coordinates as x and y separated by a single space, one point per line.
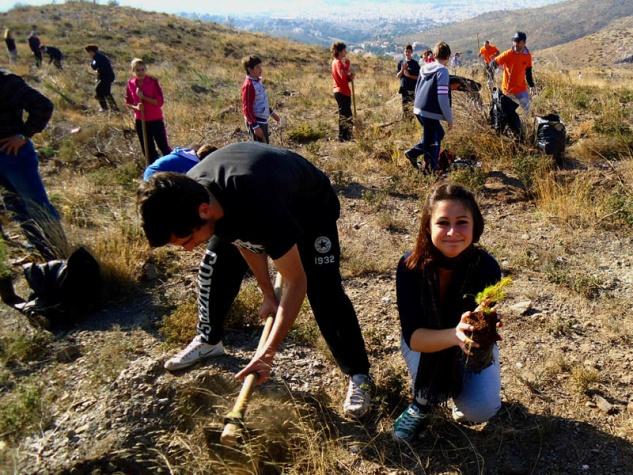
345 119
156 136
223 268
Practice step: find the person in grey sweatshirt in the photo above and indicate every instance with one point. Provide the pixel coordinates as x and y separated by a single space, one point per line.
432 104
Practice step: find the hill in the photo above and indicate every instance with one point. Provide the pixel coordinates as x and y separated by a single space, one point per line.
610 46
96 399
546 26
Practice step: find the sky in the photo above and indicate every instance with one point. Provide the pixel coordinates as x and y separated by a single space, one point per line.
304 7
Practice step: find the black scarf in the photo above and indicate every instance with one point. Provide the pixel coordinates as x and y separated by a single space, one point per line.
440 374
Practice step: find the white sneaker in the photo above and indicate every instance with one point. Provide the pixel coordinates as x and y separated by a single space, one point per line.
196 351
358 396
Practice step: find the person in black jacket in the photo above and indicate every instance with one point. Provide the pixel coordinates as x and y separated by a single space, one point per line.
105 78
55 56
436 285
34 43
11 48
408 72
19 176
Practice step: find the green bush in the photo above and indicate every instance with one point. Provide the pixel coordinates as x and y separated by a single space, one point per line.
306 133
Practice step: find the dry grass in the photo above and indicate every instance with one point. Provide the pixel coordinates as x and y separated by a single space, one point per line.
91 177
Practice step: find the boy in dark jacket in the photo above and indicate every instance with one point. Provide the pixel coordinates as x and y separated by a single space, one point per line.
408 72
105 78
55 56
432 104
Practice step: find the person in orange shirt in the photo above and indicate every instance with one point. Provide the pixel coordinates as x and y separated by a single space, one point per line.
517 71
488 52
342 75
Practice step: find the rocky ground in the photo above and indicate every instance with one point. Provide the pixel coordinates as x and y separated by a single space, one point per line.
566 364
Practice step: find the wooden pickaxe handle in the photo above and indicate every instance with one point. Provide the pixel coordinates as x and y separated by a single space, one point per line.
234 420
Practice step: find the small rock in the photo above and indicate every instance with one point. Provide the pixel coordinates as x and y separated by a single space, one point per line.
585 467
604 405
629 407
522 308
519 365
525 237
590 404
386 300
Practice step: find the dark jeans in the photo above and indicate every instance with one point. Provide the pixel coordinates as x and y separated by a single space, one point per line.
222 270
345 119
27 199
432 136
103 94
156 136
255 138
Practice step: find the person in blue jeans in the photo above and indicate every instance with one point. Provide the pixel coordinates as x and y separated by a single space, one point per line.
436 285
431 105
24 192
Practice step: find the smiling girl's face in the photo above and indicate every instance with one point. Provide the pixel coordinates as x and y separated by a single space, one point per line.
451 227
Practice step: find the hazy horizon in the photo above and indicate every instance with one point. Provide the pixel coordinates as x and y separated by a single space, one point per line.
440 10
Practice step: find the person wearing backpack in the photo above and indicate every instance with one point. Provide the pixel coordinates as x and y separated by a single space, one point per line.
432 104
517 71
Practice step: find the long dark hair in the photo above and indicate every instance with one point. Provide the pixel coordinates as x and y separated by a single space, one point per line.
425 251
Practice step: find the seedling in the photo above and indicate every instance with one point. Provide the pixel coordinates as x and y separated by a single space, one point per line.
484 321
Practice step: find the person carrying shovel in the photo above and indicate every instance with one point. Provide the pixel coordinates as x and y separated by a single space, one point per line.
265 202
145 97
342 76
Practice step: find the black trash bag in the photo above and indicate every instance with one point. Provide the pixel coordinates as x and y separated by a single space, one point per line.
551 136
503 114
63 291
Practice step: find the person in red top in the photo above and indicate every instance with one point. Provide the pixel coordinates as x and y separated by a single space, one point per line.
145 97
428 56
517 71
488 52
342 75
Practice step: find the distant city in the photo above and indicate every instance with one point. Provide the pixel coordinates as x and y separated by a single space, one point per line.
373 30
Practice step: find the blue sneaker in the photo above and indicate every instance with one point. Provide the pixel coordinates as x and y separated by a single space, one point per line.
409 423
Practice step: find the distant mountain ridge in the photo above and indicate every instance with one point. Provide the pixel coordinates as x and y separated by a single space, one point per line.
546 27
610 45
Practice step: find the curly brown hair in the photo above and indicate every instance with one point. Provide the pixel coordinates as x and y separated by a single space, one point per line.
336 48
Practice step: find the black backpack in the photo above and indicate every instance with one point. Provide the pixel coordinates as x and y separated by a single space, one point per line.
63 291
551 136
503 114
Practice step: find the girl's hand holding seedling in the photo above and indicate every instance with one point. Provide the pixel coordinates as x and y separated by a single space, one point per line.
464 341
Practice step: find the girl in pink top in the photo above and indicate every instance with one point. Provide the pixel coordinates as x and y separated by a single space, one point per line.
145 97
341 75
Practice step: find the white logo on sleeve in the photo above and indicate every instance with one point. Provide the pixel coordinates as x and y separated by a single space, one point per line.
322 244
256 248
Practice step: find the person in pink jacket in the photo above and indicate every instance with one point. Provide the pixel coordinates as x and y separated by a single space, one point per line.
145 97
